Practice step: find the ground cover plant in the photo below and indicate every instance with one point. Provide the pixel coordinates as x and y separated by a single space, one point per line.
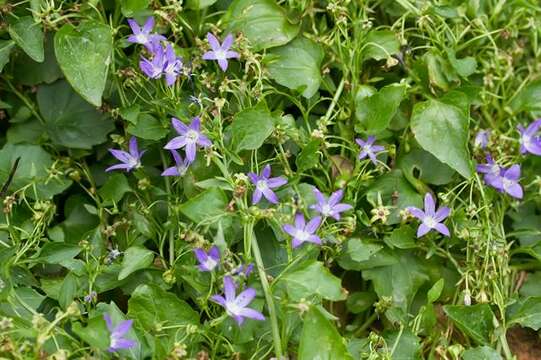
257 179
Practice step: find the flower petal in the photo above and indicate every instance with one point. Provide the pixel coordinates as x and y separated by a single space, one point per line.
209 55
219 299
122 328
118 167
256 196
270 195
245 297
442 229
252 314
313 224
214 43
422 230
290 229
266 172
229 288
149 25
179 126
299 221
171 171
442 213
176 143
228 41
108 322
276 182
223 64
430 206
336 197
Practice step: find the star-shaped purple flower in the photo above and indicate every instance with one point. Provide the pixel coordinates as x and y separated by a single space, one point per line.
431 219
244 270
491 170
220 52
529 140
172 65
303 232
130 160
180 168
237 306
481 139
153 68
207 261
369 149
264 185
508 182
190 137
142 35
331 206
116 337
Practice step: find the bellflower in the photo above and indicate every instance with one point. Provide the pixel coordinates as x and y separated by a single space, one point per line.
208 261
116 337
190 137
153 68
130 160
264 185
142 35
220 52
431 219
180 168
245 270
481 139
529 140
303 232
369 149
492 172
237 306
508 182
172 65
331 206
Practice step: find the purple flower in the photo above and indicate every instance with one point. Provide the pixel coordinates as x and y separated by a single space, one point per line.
529 140
220 52
91 297
245 270
190 137
180 168
303 232
331 206
116 338
236 306
143 35
264 185
508 182
207 261
172 65
492 172
369 149
431 219
481 139
130 160
153 68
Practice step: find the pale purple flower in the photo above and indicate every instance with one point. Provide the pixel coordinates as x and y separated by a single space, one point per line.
264 185
190 137
244 270
237 306
116 337
130 160
172 65
91 297
431 219
481 139
303 232
180 168
369 149
331 206
142 35
508 182
529 140
220 52
207 261
491 170
153 68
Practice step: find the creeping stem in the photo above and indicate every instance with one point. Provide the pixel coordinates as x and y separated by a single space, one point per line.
249 226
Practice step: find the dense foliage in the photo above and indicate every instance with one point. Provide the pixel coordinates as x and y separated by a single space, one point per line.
255 179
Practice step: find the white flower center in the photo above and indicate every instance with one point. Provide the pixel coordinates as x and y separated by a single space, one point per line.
192 136
141 38
261 185
210 263
326 210
114 342
220 55
133 162
302 235
430 222
232 308
507 183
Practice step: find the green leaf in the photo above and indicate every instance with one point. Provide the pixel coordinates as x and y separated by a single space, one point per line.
360 250
374 112
475 320
527 98
360 301
464 67
130 7
29 36
5 51
68 290
69 120
314 279
263 22
421 165
481 353
297 66
435 291
442 129
402 238
95 332
308 158
29 72
150 305
207 206
92 42
33 168
135 258
199 4
55 252
148 127
380 44
320 340
526 312
532 285
401 281
114 189
406 345
251 127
